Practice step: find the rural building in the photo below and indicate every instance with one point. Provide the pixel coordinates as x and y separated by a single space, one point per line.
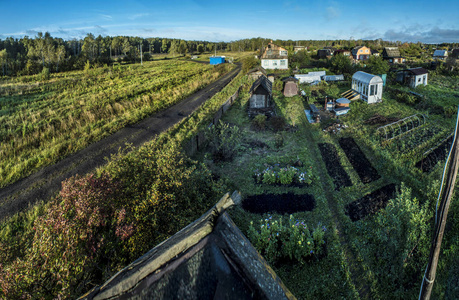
208 259
455 53
368 86
342 52
256 73
311 77
375 52
413 77
274 57
260 93
299 48
216 60
271 77
361 53
326 52
329 78
290 86
440 54
392 55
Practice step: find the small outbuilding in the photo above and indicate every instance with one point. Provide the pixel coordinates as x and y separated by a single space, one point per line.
256 73
413 77
216 60
368 86
440 54
290 86
261 93
392 55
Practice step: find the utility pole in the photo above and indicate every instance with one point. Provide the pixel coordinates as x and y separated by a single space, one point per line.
441 213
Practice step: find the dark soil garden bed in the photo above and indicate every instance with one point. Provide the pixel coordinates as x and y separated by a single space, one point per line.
279 203
358 160
439 154
334 167
371 203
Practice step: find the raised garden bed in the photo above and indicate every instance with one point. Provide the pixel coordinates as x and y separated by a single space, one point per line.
439 154
358 160
288 203
371 203
334 167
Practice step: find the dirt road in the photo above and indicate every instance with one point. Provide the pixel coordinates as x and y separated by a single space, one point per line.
46 182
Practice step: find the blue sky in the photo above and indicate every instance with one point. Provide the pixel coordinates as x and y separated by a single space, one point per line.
425 21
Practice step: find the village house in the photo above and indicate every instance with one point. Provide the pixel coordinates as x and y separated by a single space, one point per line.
326 52
440 54
290 86
274 57
256 73
343 52
368 86
413 77
361 53
299 48
260 93
392 55
455 53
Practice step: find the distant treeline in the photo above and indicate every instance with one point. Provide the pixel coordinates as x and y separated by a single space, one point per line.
27 56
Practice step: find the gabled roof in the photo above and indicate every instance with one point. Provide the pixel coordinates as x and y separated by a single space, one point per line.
264 82
440 53
391 52
416 71
290 79
209 259
374 51
273 52
257 69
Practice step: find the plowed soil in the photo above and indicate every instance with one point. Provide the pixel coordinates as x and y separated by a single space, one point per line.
334 167
439 154
283 204
358 160
371 203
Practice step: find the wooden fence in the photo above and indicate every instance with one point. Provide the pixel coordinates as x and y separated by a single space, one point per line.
197 141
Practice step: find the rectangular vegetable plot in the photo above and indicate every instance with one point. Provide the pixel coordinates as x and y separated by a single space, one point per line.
334 167
371 203
279 203
358 160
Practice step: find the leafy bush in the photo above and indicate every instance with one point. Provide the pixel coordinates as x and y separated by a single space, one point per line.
287 175
45 73
294 240
224 141
259 121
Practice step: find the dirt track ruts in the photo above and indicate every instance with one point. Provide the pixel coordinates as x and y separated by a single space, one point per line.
47 181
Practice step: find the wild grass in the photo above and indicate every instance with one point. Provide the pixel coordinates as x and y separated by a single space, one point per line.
43 121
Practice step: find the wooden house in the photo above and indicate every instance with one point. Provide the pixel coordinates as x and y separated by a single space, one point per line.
413 77
290 86
274 57
368 86
392 55
326 52
375 53
344 52
256 73
299 48
261 93
361 53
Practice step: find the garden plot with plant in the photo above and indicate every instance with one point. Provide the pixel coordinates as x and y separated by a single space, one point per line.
362 191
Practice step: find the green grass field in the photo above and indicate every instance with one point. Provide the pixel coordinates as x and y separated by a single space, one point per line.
43 121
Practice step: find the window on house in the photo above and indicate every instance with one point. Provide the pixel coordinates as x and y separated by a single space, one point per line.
283 52
274 63
282 62
419 79
265 63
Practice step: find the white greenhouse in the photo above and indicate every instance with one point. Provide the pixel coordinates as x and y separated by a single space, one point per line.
368 86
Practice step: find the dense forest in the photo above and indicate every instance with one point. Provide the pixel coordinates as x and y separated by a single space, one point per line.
27 56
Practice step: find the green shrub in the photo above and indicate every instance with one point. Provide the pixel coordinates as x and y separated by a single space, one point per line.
224 141
259 121
293 240
45 74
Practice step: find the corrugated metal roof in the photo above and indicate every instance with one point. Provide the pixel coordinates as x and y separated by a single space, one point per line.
440 53
367 78
333 77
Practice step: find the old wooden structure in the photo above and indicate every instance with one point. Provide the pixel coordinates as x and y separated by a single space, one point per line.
368 86
274 57
413 77
208 259
260 93
290 86
392 55
256 73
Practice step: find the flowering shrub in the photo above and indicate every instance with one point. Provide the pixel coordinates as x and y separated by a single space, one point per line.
275 240
287 175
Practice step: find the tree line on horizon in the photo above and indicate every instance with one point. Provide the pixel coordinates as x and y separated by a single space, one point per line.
28 56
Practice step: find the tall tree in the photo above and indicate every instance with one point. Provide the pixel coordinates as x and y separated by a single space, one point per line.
3 60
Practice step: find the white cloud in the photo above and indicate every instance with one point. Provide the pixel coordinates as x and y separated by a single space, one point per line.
433 35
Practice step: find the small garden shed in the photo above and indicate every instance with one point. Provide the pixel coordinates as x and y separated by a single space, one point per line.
260 93
216 60
290 86
256 73
413 77
368 86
